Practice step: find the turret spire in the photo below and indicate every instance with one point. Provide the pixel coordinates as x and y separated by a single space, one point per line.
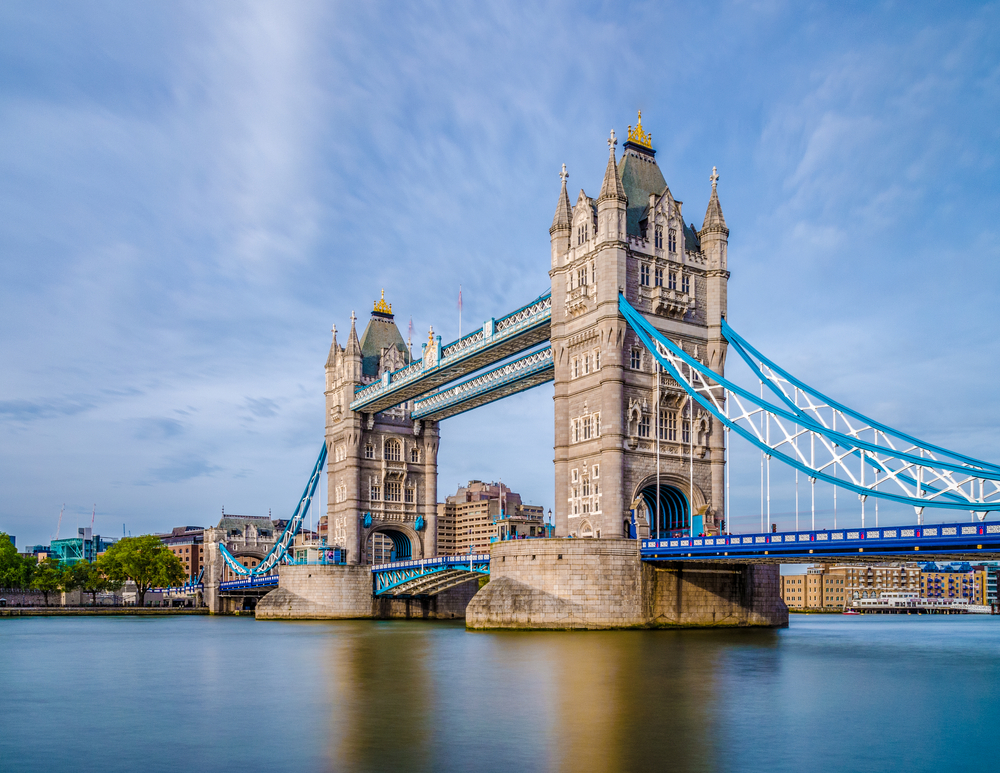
612 186
714 220
563 216
331 361
353 347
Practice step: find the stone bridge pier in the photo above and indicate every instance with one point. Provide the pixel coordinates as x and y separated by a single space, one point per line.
593 584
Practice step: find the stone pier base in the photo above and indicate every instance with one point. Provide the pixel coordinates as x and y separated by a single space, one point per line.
343 592
577 583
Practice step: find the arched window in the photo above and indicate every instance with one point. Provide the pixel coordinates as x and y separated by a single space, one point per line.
586 530
392 452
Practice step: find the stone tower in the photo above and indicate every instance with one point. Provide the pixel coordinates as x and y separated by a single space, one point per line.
633 240
381 468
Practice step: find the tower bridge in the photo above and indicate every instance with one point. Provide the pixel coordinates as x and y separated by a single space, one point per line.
634 335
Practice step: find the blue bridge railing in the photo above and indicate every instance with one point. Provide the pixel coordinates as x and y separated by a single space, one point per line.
914 541
253 581
427 576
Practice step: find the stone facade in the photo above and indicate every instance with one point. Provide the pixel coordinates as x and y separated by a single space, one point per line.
593 584
381 468
338 592
633 240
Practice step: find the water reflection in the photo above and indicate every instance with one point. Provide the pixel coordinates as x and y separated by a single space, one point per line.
196 694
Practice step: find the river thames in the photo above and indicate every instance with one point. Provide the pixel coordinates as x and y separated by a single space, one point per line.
829 693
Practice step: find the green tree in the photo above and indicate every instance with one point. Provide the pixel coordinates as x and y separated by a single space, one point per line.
48 577
11 565
93 579
145 561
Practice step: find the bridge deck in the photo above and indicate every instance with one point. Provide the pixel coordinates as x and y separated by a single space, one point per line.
514 333
508 379
429 576
949 541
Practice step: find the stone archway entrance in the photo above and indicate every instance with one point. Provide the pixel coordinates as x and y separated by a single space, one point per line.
674 510
386 545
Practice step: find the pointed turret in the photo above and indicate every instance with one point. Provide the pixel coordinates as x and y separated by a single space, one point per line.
612 188
714 220
353 348
331 360
562 224
563 217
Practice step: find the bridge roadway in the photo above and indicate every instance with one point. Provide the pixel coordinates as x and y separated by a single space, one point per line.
510 378
429 576
966 541
495 341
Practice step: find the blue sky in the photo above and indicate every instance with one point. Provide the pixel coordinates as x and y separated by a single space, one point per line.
191 194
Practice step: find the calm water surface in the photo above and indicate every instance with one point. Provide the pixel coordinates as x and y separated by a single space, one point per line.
830 693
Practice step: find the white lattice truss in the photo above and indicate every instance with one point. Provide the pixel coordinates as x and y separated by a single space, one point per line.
826 440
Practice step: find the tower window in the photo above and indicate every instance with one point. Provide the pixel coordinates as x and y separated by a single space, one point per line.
686 431
658 237
392 491
672 280
685 284
593 273
582 277
658 277
376 492
635 358
586 364
597 359
369 451
576 367
410 495
672 240
644 275
582 233
644 426
414 455
392 453
668 425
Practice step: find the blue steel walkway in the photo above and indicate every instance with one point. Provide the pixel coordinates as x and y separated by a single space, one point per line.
950 541
429 576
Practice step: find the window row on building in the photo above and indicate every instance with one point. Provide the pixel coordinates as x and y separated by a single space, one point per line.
392 451
586 427
654 276
586 363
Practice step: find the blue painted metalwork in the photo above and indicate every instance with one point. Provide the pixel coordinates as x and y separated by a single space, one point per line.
916 542
429 576
419 524
503 381
925 479
277 553
498 339
253 581
367 520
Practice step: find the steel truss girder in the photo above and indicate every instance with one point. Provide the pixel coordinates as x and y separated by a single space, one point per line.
511 334
280 548
508 379
805 422
429 576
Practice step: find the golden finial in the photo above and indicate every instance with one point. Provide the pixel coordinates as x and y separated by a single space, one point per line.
381 306
638 136
430 336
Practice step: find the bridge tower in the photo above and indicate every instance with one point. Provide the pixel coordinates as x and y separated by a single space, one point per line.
633 240
381 467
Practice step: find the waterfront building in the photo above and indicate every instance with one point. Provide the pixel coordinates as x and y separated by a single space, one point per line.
85 546
819 587
954 581
188 544
479 514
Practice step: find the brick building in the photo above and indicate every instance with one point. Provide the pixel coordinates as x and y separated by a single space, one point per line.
188 544
482 513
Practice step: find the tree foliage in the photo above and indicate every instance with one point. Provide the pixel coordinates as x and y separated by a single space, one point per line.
143 560
15 570
93 578
48 577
